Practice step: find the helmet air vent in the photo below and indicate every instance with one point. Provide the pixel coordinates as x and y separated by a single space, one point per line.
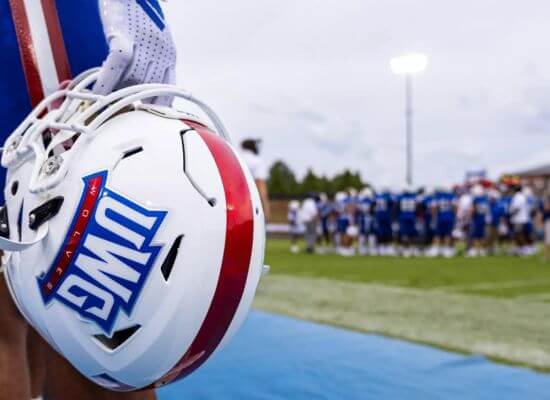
4 224
119 337
170 259
127 154
212 201
14 188
132 152
45 212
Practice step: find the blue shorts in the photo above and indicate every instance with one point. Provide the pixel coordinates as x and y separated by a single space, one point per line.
445 228
407 228
528 229
478 231
366 225
343 225
383 229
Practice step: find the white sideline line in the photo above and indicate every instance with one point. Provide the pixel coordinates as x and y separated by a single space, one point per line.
534 298
502 285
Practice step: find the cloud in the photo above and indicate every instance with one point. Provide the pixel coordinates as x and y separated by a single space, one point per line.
312 79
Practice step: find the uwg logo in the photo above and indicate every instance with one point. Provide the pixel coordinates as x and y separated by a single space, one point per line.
153 9
106 257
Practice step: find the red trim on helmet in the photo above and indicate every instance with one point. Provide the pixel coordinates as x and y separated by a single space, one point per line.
74 237
236 258
56 40
27 51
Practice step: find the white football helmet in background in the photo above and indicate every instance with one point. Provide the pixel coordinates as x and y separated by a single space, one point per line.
366 193
134 233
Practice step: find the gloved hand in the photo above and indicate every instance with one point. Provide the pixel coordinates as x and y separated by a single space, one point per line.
141 49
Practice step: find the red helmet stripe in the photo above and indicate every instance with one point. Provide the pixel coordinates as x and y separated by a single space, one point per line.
60 56
236 258
88 204
28 53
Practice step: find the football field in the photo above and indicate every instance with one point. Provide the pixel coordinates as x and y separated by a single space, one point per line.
498 306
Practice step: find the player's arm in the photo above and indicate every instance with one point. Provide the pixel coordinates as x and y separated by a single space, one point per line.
141 48
264 196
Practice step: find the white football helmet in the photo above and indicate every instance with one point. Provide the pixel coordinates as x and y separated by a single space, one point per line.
341 197
294 205
135 233
478 190
366 193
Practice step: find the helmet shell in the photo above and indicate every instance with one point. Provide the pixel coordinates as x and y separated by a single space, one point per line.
152 261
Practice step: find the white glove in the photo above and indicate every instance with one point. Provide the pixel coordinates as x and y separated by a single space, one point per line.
141 49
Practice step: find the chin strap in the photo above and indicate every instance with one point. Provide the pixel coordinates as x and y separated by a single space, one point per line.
12 245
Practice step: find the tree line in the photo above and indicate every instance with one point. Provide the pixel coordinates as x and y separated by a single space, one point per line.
283 183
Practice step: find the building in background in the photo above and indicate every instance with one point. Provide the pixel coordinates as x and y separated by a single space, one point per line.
538 178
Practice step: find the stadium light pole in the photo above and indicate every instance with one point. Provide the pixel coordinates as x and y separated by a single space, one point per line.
409 65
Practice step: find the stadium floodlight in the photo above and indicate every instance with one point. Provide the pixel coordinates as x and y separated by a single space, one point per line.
409 65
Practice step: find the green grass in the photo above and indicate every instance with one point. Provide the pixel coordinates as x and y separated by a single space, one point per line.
497 306
493 276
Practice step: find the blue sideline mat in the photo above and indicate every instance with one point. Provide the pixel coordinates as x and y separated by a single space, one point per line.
275 357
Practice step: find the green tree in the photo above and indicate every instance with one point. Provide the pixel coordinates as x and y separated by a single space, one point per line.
347 180
327 186
282 181
311 183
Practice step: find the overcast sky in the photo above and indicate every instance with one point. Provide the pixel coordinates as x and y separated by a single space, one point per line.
312 78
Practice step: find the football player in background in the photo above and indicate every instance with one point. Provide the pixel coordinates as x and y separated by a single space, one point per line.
545 211
427 218
480 217
464 215
309 216
340 201
407 210
505 227
294 225
496 219
519 217
44 44
365 222
530 230
443 208
348 230
326 214
258 169
383 217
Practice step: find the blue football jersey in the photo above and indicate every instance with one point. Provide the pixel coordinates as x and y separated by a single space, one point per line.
497 211
366 204
383 206
325 209
481 209
407 203
444 203
506 202
42 45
